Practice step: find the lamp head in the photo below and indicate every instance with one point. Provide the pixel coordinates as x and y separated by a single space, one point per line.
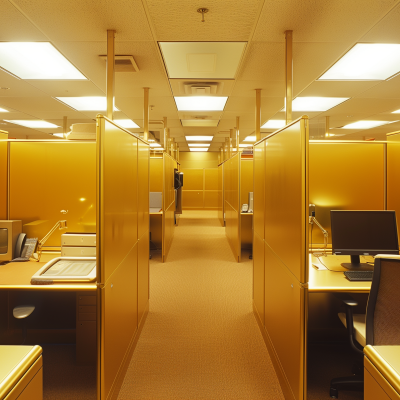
63 224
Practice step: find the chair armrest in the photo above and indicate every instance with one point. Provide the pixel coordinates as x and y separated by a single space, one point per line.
349 302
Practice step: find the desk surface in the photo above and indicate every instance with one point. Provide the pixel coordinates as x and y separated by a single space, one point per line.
18 276
386 359
324 280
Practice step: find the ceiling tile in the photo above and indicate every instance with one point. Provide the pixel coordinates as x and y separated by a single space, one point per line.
67 88
337 88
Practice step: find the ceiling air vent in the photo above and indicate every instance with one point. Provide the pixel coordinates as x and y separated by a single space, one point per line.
124 63
201 89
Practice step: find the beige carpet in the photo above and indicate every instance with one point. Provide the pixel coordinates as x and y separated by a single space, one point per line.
200 340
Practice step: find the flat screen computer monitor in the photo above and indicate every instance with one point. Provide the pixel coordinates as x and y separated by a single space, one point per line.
358 233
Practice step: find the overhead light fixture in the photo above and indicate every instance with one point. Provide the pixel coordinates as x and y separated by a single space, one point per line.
60 135
250 139
32 123
245 145
396 112
366 61
88 103
199 144
126 123
366 124
274 124
3 110
315 104
36 60
198 148
155 145
200 103
200 122
199 138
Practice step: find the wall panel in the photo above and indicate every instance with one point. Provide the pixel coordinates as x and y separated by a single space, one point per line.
258 276
143 276
156 174
246 180
143 188
221 194
393 175
3 178
345 176
64 179
259 188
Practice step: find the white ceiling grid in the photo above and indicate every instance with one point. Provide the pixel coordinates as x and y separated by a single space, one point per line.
322 32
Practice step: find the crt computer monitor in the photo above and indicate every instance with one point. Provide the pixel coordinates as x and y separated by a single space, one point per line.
356 233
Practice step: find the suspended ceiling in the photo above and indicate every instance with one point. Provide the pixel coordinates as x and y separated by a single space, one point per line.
322 32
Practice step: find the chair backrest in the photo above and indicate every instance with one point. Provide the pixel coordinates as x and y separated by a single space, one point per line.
383 309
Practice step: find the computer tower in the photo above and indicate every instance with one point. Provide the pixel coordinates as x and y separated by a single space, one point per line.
9 231
251 201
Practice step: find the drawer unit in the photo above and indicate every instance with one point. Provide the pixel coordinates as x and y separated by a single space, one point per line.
78 239
72 251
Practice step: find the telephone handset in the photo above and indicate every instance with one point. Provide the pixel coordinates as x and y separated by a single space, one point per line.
24 248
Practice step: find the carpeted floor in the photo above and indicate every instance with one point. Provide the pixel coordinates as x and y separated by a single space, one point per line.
200 340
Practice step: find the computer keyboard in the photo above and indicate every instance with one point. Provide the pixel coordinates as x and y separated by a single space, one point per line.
359 275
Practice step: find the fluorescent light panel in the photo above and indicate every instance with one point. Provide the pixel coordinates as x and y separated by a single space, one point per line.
200 122
36 60
250 139
200 103
274 124
245 145
366 124
60 135
155 145
88 103
32 123
199 138
126 123
198 148
396 112
316 104
3 110
199 144
366 61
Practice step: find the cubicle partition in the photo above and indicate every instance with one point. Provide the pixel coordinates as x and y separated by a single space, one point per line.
52 181
3 178
232 206
221 194
393 174
246 186
284 180
122 249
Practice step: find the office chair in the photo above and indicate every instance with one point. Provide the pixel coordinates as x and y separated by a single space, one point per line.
23 312
380 326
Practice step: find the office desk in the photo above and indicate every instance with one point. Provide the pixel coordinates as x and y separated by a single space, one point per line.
15 277
246 230
382 372
21 373
323 280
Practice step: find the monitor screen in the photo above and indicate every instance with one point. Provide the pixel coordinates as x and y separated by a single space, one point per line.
3 240
364 232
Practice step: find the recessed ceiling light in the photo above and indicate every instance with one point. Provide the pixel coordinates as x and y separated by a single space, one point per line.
32 123
396 112
199 144
250 139
61 135
88 103
126 123
274 124
366 124
315 104
3 110
245 145
36 60
200 122
366 61
199 138
198 148
155 145
200 103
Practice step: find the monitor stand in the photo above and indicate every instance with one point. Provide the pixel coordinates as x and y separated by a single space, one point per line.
356 265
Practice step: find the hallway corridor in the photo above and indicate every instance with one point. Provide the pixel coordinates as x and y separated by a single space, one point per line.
200 340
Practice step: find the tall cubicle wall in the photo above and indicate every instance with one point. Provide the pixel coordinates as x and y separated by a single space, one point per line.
281 240
246 186
231 203
3 178
221 194
122 249
393 174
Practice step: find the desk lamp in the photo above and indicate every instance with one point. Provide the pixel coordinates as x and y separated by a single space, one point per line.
312 220
62 224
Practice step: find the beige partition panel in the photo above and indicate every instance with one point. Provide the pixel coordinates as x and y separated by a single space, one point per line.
169 164
122 271
232 209
3 178
285 255
246 186
345 176
221 194
156 174
393 174
64 179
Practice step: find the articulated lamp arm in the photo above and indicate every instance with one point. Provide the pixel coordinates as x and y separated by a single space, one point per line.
62 224
312 220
